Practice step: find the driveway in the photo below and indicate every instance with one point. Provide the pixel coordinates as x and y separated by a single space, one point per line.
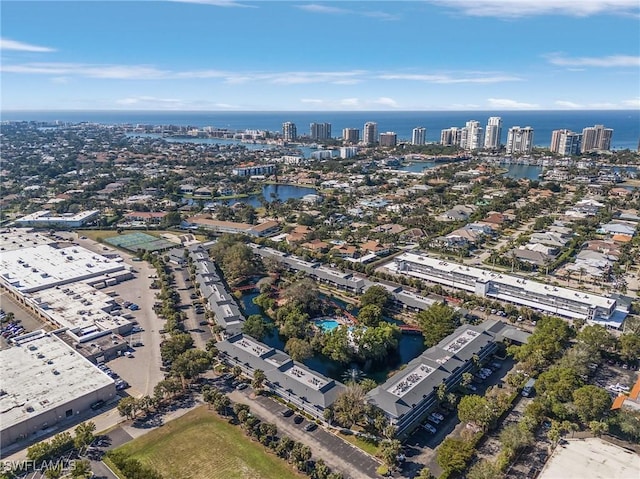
340 455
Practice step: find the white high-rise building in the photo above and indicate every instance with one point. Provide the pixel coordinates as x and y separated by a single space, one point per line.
493 134
320 131
565 142
451 136
596 138
418 136
472 136
520 140
289 131
370 134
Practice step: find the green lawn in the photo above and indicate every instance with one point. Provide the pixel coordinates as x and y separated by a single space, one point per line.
367 446
200 445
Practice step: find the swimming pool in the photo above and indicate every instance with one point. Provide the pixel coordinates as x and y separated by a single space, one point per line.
327 324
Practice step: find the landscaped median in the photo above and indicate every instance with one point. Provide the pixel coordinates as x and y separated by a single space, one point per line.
201 445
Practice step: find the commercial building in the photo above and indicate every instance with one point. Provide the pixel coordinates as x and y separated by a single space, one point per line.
565 142
45 381
418 136
408 396
370 133
49 219
493 133
562 302
320 131
289 379
520 140
31 269
289 131
351 135
388 139
596 138
348 151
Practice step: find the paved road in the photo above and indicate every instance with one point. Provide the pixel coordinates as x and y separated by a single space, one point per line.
340 455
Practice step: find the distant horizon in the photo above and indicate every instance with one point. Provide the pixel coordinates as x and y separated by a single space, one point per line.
574 110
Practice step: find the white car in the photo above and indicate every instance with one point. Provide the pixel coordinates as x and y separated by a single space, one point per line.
429 428
437 415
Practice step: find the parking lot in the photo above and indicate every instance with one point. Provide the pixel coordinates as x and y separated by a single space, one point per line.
22 317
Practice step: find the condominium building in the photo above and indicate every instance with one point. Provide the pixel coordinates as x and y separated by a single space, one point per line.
451 136
555 300
493 133
472 136
351 135
289 131
565 142
388 139
320 131
418 136
348 151
520 140
596 138
370 135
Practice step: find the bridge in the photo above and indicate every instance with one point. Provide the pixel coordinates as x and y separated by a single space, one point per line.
406 328
246 287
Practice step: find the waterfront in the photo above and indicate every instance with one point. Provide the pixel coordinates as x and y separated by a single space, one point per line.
625 123
271 193
529 172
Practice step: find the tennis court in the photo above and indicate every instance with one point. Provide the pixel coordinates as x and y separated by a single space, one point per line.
139 242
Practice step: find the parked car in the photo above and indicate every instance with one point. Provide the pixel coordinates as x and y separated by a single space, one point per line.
429 428
471 387
241 386
287 413
434 420
438 415
311 426
298 419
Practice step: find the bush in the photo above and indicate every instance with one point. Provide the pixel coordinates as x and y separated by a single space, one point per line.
383 470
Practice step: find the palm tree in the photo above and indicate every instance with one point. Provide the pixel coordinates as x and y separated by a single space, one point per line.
258 380
81 469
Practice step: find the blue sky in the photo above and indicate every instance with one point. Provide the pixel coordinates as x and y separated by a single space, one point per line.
290 55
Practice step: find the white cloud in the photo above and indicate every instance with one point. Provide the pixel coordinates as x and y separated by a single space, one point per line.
603 62
330 10
314 101
449 79
385 101
145 101
60 80
633 103
567 104
6 44
350 102
507 104
316 8
217 3
524 8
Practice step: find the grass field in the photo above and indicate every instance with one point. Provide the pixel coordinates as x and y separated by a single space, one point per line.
200 445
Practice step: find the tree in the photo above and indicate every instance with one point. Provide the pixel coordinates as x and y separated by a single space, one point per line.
256 326
128 407
349 407
596 337
437 322
629 346
377 296
84 434
54 471
598 428
298 349
190 364
466 379
389 451
236 371
425 473
591 403
258 380
370 315
81 469
320 470
558 384
515 437
484 469
476 409
453 455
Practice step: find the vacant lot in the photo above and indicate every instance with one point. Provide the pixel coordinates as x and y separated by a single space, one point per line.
200 445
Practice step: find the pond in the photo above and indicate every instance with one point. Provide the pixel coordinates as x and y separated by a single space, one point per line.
274 192
529 172
409 346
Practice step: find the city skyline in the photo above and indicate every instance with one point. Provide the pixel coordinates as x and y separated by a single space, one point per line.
246 56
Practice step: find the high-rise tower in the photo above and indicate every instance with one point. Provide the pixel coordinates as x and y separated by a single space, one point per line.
289 131
493 134
418 136
370 133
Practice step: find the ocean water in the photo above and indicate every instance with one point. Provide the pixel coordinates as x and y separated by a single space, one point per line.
625 123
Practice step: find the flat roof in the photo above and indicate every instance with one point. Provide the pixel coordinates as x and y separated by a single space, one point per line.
79 307
506 279
591 458
41 372
21 238
48 216
409 381
43 266
306 376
